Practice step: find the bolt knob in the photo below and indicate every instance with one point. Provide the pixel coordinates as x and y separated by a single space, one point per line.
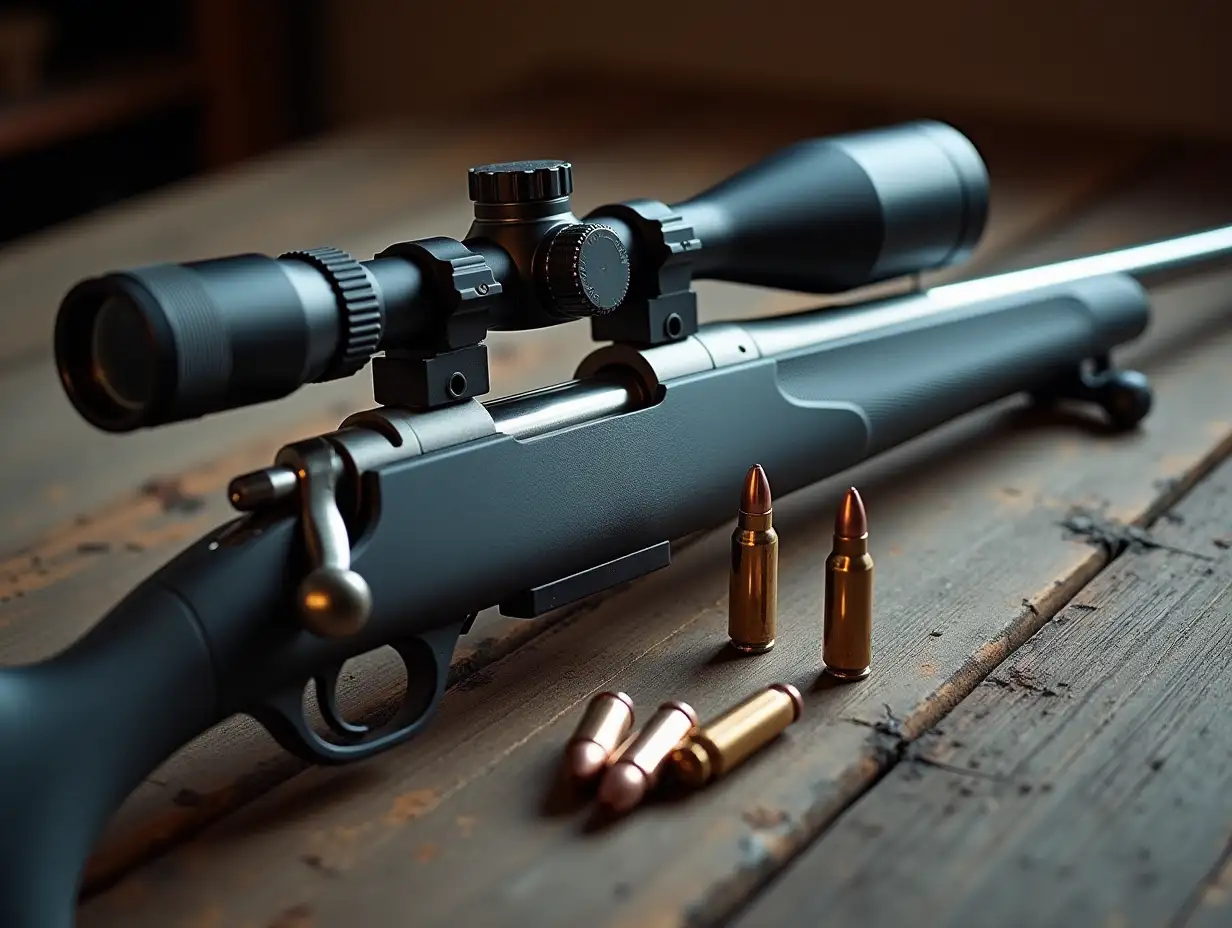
585 270
520 181
334 603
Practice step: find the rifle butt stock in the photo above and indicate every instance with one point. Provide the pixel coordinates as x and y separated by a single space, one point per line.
80 732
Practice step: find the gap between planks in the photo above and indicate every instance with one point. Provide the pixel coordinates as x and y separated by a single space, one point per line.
1086 784
296 848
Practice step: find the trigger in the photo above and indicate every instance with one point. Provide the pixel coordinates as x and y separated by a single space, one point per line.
327 700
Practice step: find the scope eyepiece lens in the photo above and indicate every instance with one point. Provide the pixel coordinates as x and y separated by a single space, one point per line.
112 353
170 342
122 354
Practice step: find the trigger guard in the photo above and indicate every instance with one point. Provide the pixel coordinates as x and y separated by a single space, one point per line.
326 685
427 658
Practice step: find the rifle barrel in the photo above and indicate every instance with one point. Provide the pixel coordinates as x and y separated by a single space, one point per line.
1151 263
1146 263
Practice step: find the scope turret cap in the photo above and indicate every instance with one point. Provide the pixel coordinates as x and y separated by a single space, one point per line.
520 181
586 270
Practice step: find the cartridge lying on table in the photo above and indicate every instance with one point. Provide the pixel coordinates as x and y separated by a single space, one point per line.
729 740
636 772
607 721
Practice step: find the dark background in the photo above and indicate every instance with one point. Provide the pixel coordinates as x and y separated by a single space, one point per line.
103 99
121 96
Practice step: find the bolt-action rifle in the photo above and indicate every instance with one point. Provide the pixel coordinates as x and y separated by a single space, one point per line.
401 525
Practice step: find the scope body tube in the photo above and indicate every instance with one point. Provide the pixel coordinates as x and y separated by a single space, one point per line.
876 204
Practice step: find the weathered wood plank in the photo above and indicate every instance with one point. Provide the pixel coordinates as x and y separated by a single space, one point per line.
965 530
61 585
361 194
1086 782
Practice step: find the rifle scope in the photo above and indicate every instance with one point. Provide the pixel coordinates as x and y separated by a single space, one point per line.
168 342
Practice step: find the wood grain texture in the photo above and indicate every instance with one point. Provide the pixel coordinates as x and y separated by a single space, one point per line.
467 824
363 192
1088 781
61 584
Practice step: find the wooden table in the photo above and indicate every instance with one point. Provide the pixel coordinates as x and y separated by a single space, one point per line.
1044 739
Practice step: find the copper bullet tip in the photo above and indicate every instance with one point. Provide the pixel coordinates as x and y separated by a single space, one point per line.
851 520
623 787
585 759
755 494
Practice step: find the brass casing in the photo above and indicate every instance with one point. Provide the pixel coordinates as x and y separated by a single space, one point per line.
667 728
606 722
753 587
737 734
847 635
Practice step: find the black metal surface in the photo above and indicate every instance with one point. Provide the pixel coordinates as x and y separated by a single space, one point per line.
520 181
585 270
542 599
827 215
218 334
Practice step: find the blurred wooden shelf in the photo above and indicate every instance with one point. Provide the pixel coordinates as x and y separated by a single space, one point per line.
94 104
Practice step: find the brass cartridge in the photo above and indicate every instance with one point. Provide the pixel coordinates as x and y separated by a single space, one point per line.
753 583
847 633
727 741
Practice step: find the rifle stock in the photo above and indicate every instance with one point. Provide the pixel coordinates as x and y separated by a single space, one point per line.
79 733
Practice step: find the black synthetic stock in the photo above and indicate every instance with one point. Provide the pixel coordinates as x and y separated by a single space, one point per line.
926 372
79 732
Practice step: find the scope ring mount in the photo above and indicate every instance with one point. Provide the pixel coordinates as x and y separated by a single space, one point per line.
661 306
453 364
